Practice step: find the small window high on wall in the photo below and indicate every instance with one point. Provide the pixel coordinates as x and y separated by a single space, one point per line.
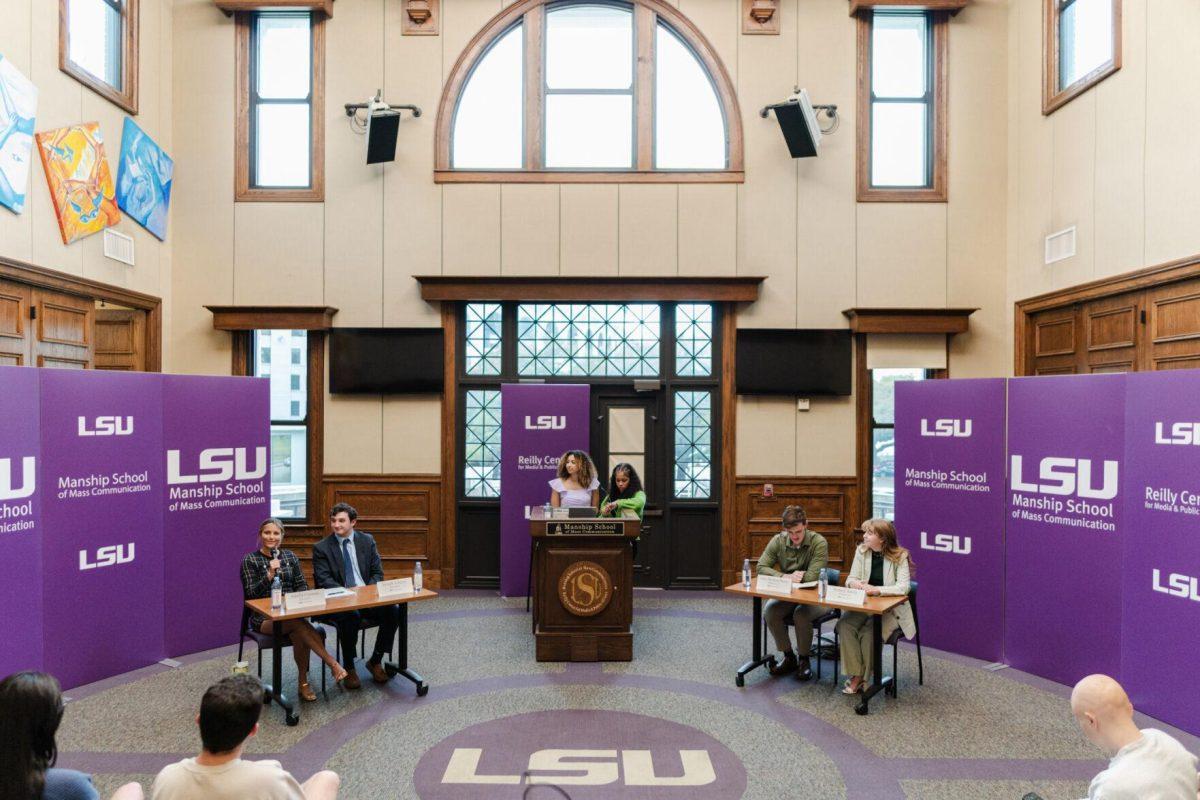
99 47
587 92
902 106
280 134
1083 47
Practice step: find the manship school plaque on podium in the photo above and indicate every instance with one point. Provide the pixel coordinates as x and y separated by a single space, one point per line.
583 587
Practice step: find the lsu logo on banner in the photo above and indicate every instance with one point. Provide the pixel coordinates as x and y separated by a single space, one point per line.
1067 476
945 543
546 423
1178 586
28 478
218 464
568 768
107 556
958 428
1181 433
106 426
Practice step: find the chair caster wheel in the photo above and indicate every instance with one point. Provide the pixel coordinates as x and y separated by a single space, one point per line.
861 709
740 680
292 720
266 698
422 689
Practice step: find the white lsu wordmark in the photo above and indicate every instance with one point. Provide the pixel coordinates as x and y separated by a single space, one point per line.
1185 586
546 423
28 479
1181 433
959 428
107 556
218 464
945 543
106 426
1066 476
637 765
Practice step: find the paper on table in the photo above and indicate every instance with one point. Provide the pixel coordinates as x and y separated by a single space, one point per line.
804 585
338 591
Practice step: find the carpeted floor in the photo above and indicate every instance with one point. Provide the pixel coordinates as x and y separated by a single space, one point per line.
670 724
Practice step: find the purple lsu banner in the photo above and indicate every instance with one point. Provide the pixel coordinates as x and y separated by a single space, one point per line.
1066 444
102 475
1161 554
216 439
538 423
20 522
949 490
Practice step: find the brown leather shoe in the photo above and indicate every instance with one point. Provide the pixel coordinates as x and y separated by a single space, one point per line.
378 673
352 681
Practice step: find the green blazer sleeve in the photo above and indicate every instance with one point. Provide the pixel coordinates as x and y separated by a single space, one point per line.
636 504
769 558
819 560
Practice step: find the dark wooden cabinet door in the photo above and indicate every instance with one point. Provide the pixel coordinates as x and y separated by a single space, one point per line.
1173 327
121 339
1052 346
63 335
1111 333
14 325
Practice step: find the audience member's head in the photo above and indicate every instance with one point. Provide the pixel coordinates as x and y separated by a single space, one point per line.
1104 712
229 713
31 707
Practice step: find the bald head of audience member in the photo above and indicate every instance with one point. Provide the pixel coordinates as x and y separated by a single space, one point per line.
1104 712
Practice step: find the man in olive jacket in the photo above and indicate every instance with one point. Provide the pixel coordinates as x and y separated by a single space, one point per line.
799 554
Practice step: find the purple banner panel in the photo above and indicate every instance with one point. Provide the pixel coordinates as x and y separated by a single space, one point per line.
950 509
102 473
1066 442
1161 553
20 522
538 423
216 438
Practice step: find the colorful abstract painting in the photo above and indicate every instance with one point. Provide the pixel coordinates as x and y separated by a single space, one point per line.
18 107
80 181
144 180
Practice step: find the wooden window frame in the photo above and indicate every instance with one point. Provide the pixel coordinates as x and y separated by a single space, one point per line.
937 191
531 15
126 97
1053 97
243 191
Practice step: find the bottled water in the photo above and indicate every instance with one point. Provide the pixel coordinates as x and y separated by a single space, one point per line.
276 593
746 574
822 583
418 577
546 511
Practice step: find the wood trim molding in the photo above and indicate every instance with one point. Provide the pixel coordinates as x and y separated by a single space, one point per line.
862 426
249 318
40 277
951 6
741 289
1054 98
730 534
231 7
909 320
449 474
242 191
939 191
126 97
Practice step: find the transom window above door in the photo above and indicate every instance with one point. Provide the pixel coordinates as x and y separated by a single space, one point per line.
589 92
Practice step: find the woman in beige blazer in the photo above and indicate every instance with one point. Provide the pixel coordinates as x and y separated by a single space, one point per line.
881 567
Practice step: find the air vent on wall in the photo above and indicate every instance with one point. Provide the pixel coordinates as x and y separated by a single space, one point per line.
1060 245
118 246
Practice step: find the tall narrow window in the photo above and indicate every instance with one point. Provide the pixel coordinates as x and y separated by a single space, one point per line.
289 419
693 445
883 437
902 106
484 355
280 140
99 47
1083 47
481 461
693 339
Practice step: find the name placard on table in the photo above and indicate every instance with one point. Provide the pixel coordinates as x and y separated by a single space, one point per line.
303 601
395 587
585 528
850 597
773 584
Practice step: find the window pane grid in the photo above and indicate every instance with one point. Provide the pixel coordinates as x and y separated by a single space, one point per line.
272 352
1085 39
588 339
483 338
693 445
481 463
693 339
95 31
280 113
902 100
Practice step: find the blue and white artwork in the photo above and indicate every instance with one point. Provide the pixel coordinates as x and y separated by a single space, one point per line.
144 180
18 107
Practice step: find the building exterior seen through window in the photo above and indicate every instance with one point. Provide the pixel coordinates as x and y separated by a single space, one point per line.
883 437
289 417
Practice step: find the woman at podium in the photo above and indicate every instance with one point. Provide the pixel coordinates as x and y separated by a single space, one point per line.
576 485
624 492
258 572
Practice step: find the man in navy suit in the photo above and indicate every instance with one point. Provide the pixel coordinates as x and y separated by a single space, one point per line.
350 558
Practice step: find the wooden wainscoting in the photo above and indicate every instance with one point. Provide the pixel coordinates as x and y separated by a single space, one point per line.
829 502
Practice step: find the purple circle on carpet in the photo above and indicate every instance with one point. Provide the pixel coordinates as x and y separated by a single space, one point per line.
590 754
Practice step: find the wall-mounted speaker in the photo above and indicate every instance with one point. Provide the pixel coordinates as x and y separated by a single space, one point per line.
382 127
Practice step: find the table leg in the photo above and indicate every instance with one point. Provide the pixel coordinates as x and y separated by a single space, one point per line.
275 690
878 682
757 659
401 668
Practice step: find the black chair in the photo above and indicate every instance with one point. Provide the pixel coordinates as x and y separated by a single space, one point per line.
266 641
361 651
833 576
894 640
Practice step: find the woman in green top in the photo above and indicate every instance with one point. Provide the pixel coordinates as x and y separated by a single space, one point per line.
624 491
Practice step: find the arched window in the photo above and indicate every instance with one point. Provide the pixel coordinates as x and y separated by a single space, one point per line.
589 91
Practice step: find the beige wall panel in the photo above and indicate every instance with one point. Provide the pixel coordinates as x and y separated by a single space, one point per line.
766 435
1172 117
708 229
1034 171
1015 54
412 203
529 229
901 255
353 189
471 229
825 437
278 254
767 200
461 20
16 230
648 236
353 433
1120 231
825 192
720 22
976 235
588 229
412 434
1074 185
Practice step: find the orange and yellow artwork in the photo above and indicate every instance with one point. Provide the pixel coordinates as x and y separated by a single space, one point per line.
81 184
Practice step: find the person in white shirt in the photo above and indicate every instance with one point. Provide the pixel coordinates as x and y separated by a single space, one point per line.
1145 764
228 718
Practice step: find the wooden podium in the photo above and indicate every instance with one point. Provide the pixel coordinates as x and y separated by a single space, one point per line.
583 586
